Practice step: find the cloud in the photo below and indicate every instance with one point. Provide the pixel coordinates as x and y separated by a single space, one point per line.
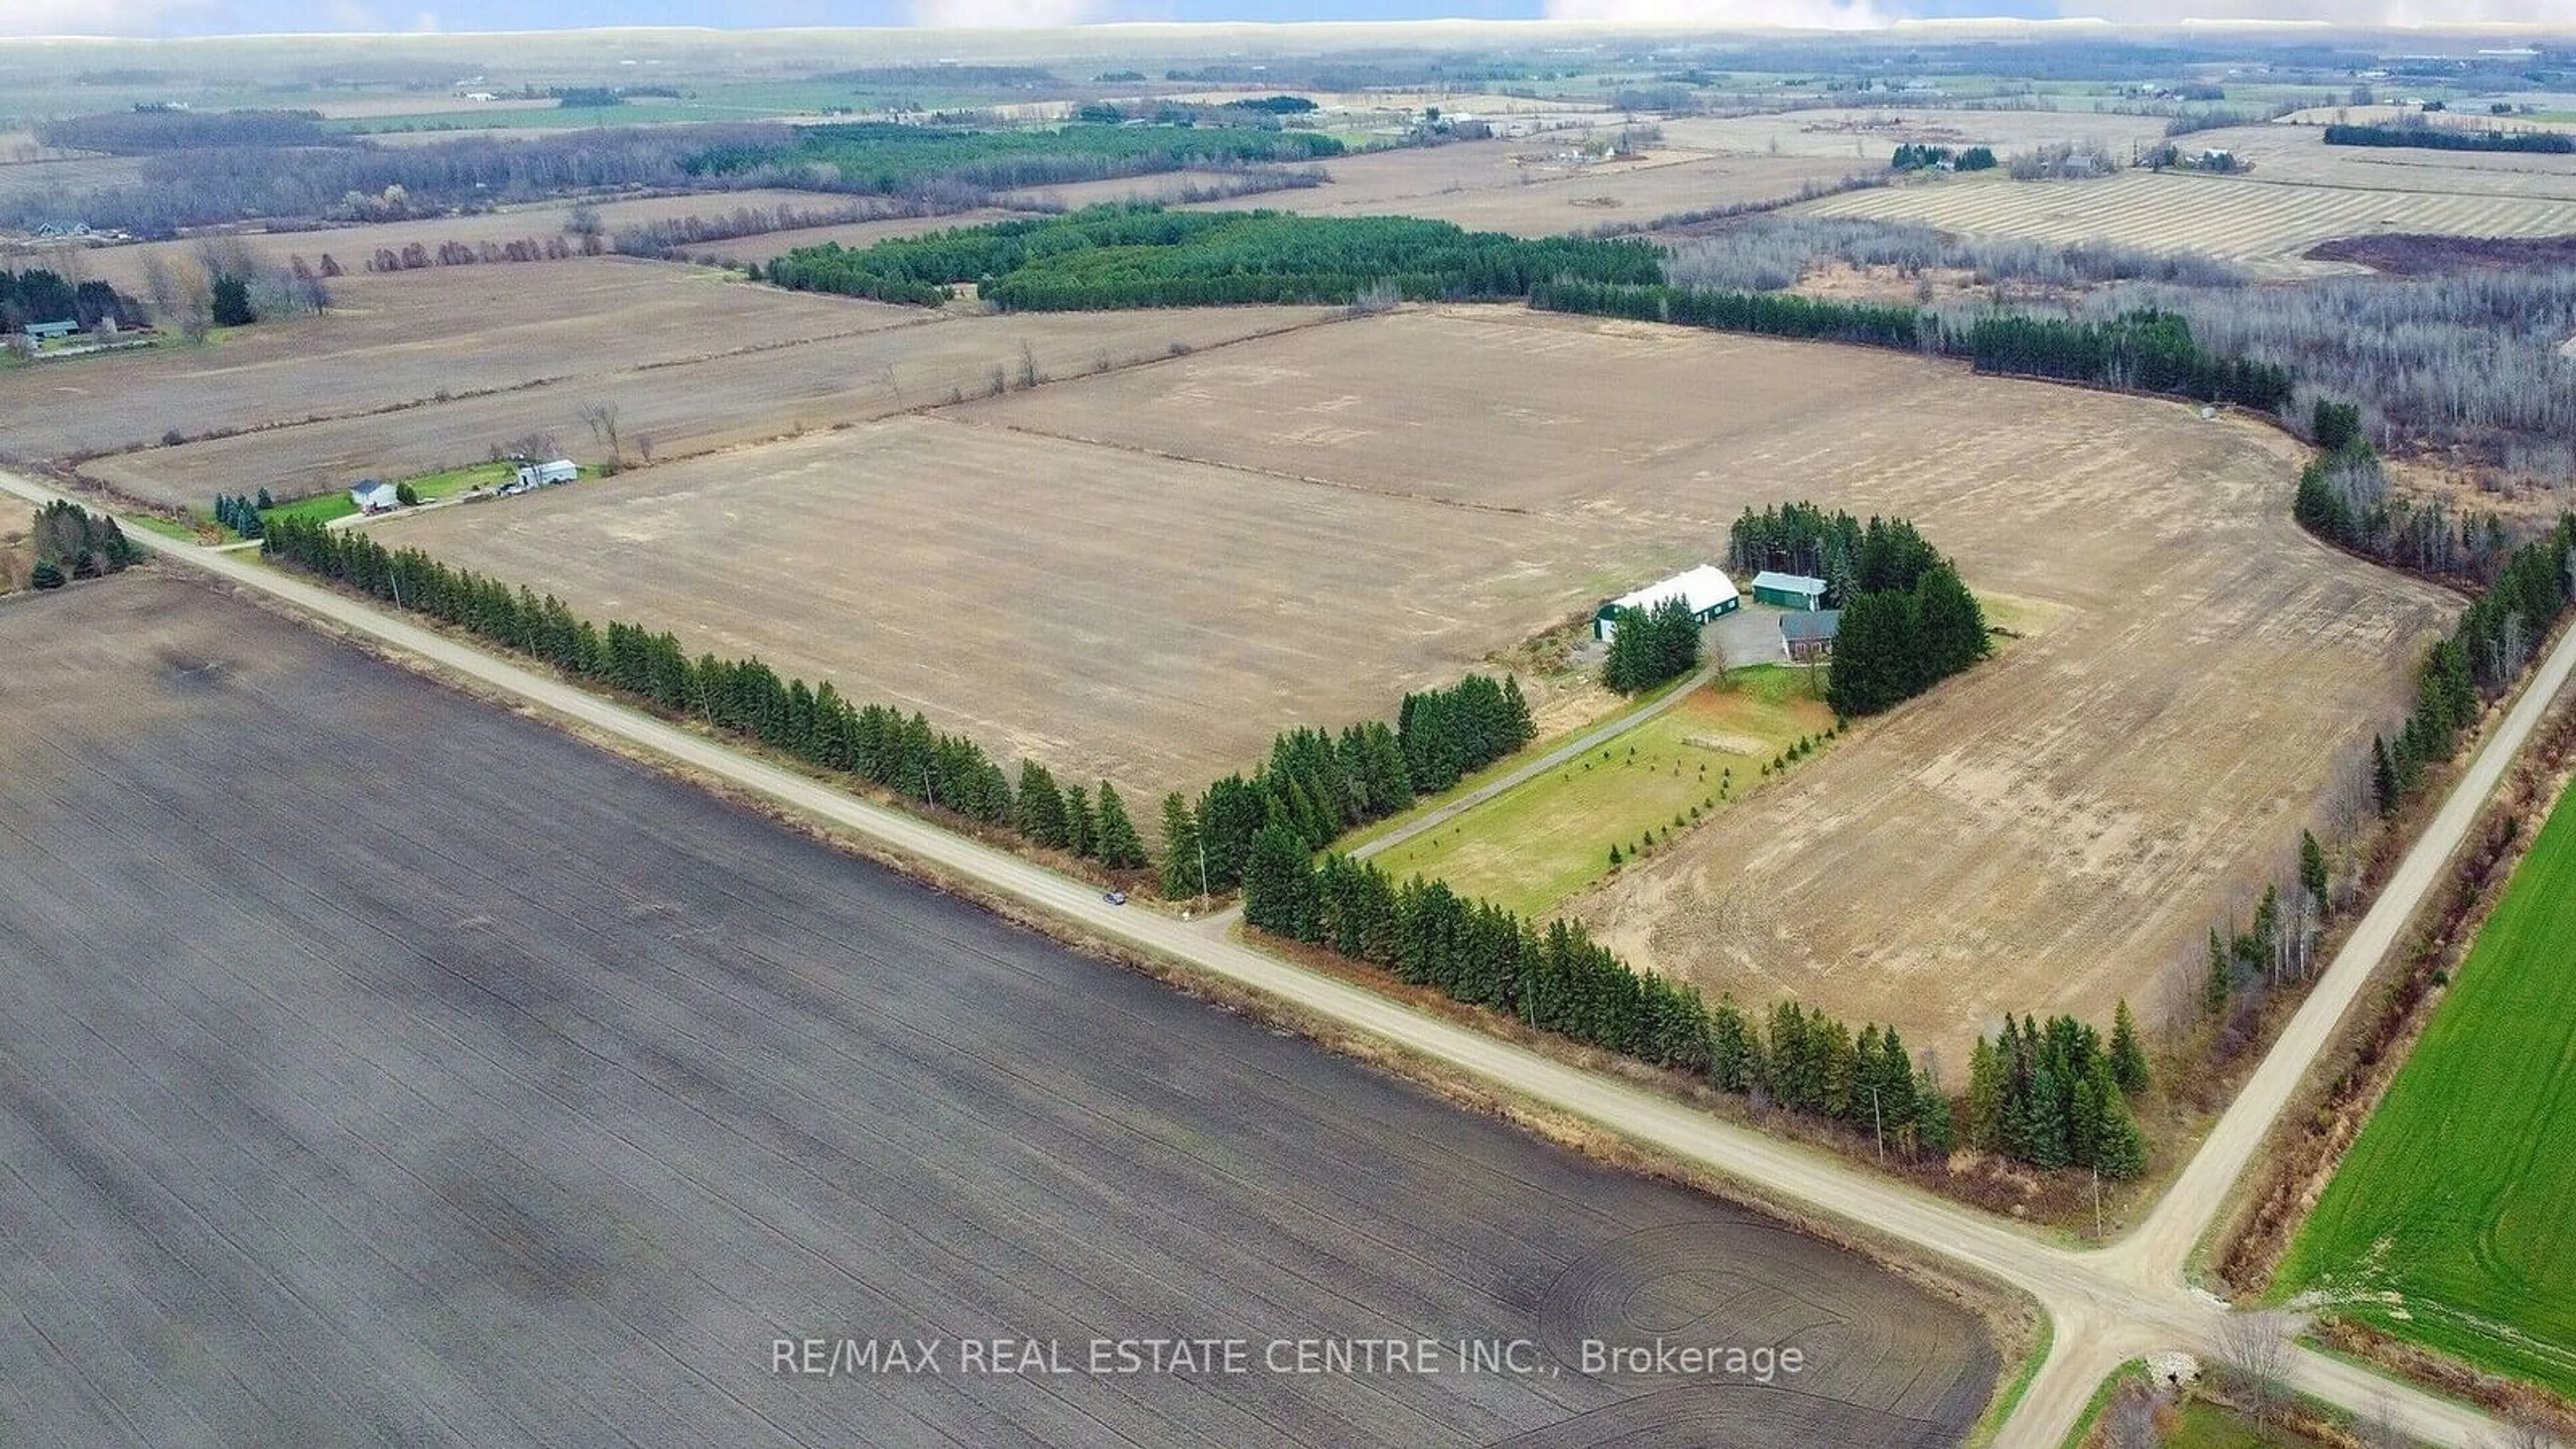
95 17
1728 14
987 14
2339 12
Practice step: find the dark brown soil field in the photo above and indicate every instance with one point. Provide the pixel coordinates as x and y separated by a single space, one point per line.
2415 254
381 1068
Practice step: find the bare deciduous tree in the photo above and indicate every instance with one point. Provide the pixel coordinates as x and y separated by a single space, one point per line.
2253 1348
601 419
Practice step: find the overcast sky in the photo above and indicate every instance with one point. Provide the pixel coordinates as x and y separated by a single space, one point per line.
232 17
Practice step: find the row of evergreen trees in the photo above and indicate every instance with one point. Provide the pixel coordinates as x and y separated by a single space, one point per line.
2145 350
1650 646
1914 156
2045 1104
2058 1096
2480 660
1319 786
743 697
42 295
70 541
241 514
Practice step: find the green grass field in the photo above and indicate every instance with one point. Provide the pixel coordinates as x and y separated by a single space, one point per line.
2452 1220
428 487
1533 847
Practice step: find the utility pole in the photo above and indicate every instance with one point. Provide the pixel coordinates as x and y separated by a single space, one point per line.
2097 1204
1203 886
1877 1124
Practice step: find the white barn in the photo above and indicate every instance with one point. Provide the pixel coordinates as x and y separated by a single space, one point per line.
1706 589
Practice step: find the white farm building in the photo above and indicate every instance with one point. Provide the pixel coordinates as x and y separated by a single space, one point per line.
1706 589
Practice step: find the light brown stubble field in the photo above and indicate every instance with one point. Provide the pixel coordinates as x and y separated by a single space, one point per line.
1148 573
690 362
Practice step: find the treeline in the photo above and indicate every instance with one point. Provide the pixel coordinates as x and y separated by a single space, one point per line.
1318 786
662 237
2146 350
2058 1096
206 185
1650 646
2444 138
890 159
1913 157
38 295
743 697
1908 620
2482 658
145 133
241 514
70 541
1144 256
2039 1095
1766 314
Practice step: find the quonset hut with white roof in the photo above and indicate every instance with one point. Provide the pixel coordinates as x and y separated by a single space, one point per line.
1707 590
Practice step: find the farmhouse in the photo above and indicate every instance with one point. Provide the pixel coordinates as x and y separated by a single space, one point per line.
372 496
1811 635
1789 591
1706 589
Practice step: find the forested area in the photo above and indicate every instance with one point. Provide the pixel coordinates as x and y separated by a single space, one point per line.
350 179
891 160
743 697
38 295
2039 1095
155 132
1651 646
1318 785
2428 137
1908 620
2456 357
69 542
1144 256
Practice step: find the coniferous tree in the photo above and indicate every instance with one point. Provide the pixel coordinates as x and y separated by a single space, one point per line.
2384 785
1081 830
2128 1055
1120 847
1989 1085
2219 982
2044 1141
2312 869
1183 863
1039 812
2120 1150
1279 883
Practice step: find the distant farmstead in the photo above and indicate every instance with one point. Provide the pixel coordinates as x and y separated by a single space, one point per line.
1788 591
1706 590
1809 636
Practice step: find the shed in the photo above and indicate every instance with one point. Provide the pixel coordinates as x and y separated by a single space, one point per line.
47 331
1706 589
1811 635
543 475
1788 591
373 496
